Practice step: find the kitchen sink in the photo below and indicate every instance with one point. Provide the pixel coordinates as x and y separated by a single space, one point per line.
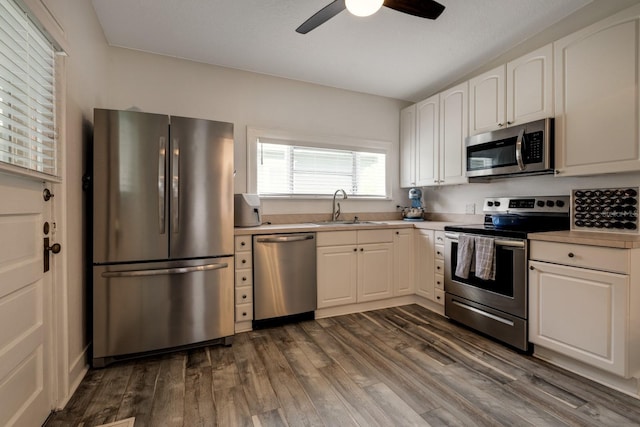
348 222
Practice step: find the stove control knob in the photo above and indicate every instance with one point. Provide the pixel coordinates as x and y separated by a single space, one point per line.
497 203
489 203
540 203
559 203
550 203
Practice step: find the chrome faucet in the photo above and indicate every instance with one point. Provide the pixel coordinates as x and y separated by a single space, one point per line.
335 213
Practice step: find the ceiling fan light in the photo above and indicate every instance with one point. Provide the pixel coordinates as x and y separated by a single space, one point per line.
363 7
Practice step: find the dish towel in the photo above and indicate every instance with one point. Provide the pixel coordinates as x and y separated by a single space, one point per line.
485 258
465 255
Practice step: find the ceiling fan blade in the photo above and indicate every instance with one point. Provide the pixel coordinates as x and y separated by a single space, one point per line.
429 9
322 16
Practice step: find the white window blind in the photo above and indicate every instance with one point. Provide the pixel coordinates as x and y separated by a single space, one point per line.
27 87
286 169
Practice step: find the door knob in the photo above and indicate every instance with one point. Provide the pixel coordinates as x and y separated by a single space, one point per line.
47 194
55 248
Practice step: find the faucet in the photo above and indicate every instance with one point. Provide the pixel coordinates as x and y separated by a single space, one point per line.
335 213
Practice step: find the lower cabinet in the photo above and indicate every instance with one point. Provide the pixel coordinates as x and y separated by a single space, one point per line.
424 263
578 310
354 266
403 250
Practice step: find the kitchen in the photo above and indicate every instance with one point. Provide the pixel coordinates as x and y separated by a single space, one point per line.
99 75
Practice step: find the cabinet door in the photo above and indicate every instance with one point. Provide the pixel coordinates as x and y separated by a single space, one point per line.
375 272
403 262
408 146
454 128
427 136
580 313
486 101
337 275
424 262
530 87
596 97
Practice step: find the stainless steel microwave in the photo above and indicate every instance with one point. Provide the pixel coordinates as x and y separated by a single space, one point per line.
525 149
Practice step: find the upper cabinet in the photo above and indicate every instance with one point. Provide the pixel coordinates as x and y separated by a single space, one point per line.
596 102
517 92
432 140
454 129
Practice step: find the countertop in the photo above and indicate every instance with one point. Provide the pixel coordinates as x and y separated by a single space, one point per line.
609 240
307 227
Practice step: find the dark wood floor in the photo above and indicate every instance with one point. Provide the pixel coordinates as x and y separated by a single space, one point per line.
393 367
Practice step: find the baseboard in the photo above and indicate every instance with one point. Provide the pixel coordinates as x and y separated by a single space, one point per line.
629 386
364 306
77 372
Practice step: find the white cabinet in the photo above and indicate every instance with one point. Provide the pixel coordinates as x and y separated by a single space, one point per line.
517 92
408 146
454 128
354 266
596 97
433 153
427 140
403 251
424 263
581 308
243 283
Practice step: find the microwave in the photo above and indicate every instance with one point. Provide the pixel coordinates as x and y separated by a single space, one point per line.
525 149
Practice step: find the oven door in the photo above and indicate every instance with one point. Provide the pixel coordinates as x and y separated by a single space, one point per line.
507 293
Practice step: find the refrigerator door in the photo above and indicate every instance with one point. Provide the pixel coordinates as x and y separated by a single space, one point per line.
153 306
130 161
201 193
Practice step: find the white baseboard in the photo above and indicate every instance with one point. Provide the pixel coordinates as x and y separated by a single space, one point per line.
77 371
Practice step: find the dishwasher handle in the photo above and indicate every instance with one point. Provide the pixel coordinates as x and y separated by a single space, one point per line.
285 239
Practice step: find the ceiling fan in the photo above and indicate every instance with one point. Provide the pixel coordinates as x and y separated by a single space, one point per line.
429 9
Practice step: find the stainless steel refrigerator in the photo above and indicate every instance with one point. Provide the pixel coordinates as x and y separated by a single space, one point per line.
162 233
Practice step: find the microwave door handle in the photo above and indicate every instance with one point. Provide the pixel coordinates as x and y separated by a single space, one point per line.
519 145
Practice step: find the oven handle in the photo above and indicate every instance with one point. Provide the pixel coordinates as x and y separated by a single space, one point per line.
498 242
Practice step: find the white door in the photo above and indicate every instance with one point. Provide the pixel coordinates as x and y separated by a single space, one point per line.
25 304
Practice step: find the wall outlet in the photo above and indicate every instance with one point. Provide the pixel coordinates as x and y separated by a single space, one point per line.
470 208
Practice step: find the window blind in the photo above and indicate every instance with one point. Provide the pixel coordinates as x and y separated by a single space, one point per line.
27 93
285 169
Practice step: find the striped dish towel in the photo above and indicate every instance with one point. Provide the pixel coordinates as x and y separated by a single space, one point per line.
485 265
465 255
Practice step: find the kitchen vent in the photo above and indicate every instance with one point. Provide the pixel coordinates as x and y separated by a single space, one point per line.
612 210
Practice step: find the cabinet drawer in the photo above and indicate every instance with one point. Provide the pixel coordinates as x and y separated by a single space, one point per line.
243 243
336 238
439 281
375 236
244 277
439 294
439 237
439 266
244 312
593 257
243 260
244 295
439 250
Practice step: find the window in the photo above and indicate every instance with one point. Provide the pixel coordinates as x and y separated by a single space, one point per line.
27 87
287 165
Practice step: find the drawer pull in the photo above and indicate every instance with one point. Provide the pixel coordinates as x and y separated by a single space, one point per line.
244 297
242 243
355 249
531 267
244 314
244 279
571 254
438 267
244 261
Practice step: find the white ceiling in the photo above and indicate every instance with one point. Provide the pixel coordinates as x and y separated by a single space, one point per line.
389 54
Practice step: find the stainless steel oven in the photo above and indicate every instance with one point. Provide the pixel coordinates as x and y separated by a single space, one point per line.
496 307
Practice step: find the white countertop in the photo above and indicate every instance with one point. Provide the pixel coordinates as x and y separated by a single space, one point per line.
307 227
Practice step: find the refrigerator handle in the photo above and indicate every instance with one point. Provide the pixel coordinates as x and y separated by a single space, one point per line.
175 187
164 271
162 155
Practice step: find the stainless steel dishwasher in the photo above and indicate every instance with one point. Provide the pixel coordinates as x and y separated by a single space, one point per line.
284 281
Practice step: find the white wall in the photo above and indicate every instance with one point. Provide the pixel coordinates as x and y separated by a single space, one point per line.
161 84
453 199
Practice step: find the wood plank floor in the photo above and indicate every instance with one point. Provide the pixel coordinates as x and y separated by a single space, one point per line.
394 367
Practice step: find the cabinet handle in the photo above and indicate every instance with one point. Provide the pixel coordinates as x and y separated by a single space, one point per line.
244 261
438 297
531 267
571 254
435 181
355 249
397 232
244 279
438 268
242 243
244 297
509 123
500 125
244 314
361 249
